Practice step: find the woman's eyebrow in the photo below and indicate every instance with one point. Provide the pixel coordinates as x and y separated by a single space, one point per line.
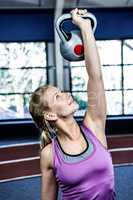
57 91
55 94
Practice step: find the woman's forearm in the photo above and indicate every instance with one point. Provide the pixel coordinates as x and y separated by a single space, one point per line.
92 59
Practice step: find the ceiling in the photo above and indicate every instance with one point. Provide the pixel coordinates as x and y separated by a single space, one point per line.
67 3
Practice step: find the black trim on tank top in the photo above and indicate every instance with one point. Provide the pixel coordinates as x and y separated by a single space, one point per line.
74 154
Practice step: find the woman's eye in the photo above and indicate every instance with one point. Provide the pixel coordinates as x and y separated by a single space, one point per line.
57 96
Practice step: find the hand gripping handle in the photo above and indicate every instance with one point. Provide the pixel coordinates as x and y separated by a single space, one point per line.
68 16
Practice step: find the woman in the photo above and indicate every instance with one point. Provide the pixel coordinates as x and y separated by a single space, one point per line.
75 158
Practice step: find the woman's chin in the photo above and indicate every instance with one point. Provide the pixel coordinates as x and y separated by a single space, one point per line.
76 105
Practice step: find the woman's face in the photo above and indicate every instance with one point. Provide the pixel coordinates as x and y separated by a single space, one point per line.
59 102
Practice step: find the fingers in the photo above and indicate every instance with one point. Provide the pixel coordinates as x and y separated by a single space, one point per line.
82 12
77 16
78 11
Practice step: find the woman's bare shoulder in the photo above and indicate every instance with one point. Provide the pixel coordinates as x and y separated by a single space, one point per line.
46 156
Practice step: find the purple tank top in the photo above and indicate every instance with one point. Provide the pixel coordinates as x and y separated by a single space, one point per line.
91 178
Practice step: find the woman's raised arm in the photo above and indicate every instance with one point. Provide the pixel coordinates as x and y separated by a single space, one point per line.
95 116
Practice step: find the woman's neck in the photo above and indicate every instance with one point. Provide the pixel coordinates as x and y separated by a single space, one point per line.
68 129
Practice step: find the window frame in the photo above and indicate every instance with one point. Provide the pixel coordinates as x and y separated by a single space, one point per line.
122 90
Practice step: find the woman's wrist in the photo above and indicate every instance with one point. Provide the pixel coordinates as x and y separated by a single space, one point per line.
86 28
86 25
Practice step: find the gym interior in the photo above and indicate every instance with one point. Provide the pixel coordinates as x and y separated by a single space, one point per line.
30 56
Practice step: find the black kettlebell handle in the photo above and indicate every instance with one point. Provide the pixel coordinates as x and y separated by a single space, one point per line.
68 16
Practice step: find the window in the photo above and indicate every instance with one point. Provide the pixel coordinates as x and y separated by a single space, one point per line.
22 70
128 72
117 68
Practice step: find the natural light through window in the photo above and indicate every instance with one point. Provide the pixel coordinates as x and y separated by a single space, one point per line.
116 58
22 70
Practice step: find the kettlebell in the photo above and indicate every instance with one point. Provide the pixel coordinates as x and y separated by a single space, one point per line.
71 45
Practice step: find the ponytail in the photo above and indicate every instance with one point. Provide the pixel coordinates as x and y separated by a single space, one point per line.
47 134
45 139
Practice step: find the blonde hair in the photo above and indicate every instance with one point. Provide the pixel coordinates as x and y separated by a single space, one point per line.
37 106
44 139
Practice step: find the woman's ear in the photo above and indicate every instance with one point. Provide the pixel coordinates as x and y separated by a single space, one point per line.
50 116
